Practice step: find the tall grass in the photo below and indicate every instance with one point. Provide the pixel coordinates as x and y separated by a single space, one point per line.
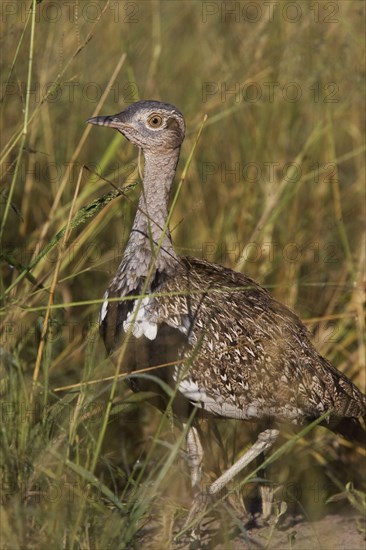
275 188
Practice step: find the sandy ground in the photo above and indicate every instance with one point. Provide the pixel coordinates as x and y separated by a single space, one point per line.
333 532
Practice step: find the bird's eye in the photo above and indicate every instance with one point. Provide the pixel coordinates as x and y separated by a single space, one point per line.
155 121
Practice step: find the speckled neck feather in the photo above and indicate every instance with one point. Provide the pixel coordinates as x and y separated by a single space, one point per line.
151 215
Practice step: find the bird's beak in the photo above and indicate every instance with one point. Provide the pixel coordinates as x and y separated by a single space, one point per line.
111 121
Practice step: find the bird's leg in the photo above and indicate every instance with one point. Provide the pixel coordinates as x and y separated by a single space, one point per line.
266 494
264 442
195 457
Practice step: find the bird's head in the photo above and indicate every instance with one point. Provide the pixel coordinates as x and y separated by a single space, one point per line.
151 125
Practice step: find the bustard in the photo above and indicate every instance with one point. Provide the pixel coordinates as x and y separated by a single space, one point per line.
232 350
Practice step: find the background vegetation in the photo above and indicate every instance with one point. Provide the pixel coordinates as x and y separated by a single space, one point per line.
275 188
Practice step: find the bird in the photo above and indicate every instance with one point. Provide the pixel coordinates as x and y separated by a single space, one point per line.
214 336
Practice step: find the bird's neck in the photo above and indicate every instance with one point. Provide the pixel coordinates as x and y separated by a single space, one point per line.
149 239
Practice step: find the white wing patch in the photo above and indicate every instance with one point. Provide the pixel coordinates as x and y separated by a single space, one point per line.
104 308
214 405
192 391
141 321
199 397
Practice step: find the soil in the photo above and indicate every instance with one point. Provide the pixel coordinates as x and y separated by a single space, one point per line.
332 532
